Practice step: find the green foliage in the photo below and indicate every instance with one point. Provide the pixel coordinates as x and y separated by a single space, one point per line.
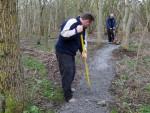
1 99
144 109
35 86
32 109
114 111
35 109
147 87
52 92
13 105
48 90
130 63
124 77
147 59
32 63
119 82
40 84
132 47
10 104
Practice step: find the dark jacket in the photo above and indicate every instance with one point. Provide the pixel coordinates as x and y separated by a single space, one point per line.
110 23
69 42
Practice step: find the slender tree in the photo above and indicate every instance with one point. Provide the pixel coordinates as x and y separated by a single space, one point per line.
99 22
127 20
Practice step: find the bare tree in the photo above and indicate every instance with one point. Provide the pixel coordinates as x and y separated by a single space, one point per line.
99 22
42 4
127 20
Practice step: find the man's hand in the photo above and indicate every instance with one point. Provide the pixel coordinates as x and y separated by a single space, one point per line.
84 54
79 28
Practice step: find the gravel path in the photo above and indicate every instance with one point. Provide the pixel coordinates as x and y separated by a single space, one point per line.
94 100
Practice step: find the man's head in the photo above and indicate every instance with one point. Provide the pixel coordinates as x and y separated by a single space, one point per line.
86 19
111 15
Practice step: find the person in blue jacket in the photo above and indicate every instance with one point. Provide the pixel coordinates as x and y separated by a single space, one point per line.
111 26
66 47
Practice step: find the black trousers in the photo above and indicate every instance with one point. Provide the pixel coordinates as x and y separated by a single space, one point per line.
111 35
67 70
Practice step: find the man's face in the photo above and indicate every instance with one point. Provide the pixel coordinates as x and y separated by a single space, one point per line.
86 23
111 15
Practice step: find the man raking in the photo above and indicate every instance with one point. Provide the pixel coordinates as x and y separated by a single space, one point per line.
66 47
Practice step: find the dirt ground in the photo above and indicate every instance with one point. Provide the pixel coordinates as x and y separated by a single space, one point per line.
131 84
102 72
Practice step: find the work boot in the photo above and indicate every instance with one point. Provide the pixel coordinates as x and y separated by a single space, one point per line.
72 100
73 89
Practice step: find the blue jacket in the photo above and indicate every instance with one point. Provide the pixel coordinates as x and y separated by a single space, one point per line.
69 40
110 23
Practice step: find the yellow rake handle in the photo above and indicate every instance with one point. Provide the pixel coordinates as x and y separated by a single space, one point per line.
86 65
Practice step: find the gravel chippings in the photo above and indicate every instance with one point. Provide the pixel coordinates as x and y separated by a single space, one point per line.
96 99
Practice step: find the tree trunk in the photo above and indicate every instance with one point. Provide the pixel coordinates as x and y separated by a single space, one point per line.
126 33
42 5
99 21
125 42
124 23
148 14
10 68
125 18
